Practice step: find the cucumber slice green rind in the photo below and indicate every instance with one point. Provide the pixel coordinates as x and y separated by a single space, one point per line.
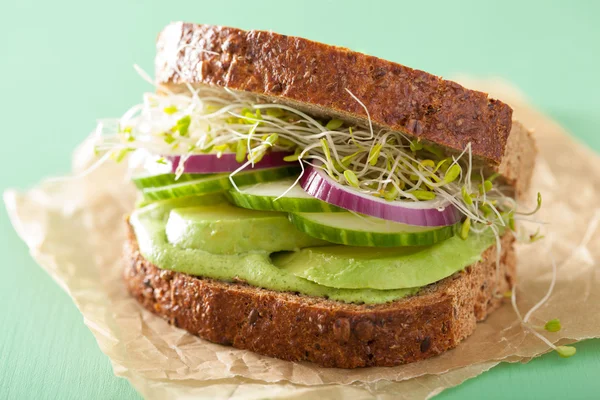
262 197
217 183
150 181
351 230
212 184
293 205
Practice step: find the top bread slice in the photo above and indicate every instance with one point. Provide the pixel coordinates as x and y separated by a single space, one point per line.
318 78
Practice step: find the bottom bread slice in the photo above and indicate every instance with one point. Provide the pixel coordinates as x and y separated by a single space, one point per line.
295 327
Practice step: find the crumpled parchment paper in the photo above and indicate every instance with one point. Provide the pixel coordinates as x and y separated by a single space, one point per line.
75 230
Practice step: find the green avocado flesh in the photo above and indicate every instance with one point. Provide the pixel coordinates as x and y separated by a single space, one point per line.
204 236
347 267
226 229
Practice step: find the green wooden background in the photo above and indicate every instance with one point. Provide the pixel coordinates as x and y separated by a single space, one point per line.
64 63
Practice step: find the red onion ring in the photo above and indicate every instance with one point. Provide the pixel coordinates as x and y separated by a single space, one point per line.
211 164
319 184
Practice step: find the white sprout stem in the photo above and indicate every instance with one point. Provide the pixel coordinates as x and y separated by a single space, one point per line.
295 182
513 299
180 166
495 211
129 114
523 323
305 152
144 75
544 299
250 133
591 228
366 110
469 165
241 168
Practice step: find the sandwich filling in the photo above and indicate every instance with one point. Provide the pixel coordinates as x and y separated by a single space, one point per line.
236 189
201 237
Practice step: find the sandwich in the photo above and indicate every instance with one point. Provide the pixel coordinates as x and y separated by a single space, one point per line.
312 203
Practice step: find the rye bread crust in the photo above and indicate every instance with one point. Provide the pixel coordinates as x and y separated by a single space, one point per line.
314 77
332 334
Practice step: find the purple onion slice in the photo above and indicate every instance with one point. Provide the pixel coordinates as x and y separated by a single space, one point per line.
211 164
319 184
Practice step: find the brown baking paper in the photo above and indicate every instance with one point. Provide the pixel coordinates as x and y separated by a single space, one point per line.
74 229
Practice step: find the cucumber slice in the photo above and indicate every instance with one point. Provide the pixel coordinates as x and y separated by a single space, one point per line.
216 183
149 181
357 230
262 197
226 229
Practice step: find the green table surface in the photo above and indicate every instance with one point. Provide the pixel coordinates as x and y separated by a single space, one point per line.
65 63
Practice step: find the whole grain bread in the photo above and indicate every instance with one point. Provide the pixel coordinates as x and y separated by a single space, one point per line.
519 159
315 77
294 327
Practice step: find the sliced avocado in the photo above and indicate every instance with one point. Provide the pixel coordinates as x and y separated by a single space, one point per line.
254 268
226 229
358 270
346 267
